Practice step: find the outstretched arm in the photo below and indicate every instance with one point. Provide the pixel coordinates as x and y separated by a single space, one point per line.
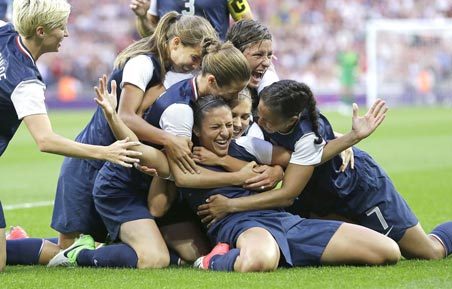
150 157
362 127
297 176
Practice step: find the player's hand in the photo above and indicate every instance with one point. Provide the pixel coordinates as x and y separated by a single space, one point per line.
201 155
179 149
215 209
267 178
146 170
105 99
120 152
140 7
247 172
363 126
347 157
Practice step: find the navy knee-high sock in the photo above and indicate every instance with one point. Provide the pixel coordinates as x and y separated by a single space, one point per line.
444 233
174 257
224 262
115 255
53 240
23 251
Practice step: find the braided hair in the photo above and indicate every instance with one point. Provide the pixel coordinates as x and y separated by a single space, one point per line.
288 98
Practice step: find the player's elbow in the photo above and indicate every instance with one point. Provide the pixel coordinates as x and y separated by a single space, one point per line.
45 143
184 180
287 202
126 117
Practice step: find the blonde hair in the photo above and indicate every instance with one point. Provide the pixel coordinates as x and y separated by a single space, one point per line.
225 62
190 29
29 14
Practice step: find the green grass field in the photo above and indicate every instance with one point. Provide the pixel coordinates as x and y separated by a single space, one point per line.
413 145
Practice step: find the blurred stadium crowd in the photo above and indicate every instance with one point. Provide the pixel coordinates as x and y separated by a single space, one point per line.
309 38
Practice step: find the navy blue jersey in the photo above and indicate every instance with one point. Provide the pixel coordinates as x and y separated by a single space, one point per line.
97 131
182 92
16 66
326 180
215 11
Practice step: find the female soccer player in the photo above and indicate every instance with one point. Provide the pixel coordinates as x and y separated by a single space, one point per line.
217 12
365 195
266 238
39 27
139 69
120 195
255 41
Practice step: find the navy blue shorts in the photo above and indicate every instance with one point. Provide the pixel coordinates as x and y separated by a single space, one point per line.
367 196
120 198
301 241
308 240
2 217
74 209
179 212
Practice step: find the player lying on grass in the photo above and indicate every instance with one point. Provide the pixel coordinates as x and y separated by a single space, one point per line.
289 117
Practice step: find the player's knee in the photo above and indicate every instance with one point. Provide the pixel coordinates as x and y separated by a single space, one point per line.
152 259
389 253
259 262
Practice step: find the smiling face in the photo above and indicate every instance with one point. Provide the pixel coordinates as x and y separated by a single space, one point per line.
184 58
241 116
215 132
51 40
259 56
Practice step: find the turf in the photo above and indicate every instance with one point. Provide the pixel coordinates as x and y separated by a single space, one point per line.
413 145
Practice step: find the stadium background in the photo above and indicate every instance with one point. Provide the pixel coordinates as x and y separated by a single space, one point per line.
309 38
413 144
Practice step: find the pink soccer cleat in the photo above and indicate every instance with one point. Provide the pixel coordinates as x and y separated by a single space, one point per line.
16 232
203 262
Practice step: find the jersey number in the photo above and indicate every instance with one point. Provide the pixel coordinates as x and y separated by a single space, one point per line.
376 210
238 6
189 7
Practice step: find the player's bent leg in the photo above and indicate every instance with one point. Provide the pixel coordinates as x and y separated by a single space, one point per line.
48 251
357 245
2 249
259 251
144 237
187 239
416 244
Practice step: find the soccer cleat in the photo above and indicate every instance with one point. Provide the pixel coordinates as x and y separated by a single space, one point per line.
68 257
204 261
16 232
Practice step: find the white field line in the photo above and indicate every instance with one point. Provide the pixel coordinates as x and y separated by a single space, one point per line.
27 205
